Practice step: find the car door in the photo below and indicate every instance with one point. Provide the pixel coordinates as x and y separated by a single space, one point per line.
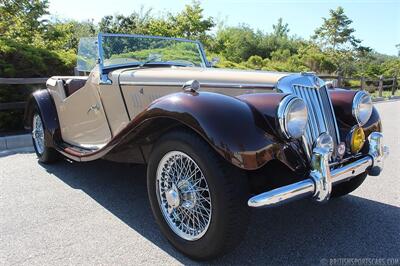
82 118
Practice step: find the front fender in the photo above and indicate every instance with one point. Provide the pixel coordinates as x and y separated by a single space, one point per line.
237 129
342 101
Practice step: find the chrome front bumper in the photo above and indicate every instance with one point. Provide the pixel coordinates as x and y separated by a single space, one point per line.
319 185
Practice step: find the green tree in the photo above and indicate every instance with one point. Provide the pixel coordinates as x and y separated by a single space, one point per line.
21 20
135 23
336 32
237 43
65 35
191 23
391 67
280 29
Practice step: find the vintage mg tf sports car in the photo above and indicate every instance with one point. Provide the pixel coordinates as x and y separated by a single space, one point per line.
216 142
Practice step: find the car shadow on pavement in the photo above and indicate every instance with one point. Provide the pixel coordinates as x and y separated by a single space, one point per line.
298 233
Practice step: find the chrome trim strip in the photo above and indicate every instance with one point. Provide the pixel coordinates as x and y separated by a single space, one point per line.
319 184
203 84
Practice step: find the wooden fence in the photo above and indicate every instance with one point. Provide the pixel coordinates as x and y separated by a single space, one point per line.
377 84
19 81
339 80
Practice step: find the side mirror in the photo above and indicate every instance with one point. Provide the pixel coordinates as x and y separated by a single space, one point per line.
214 61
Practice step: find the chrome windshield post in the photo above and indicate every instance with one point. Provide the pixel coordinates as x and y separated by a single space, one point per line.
104 79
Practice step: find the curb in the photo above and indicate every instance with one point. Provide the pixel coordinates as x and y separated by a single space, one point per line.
378 99
17 150
394 97
381 99
387 100
15 142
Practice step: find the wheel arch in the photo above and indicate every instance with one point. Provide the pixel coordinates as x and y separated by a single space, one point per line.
42 101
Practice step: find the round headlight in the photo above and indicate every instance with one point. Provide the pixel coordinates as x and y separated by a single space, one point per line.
292 115
362 107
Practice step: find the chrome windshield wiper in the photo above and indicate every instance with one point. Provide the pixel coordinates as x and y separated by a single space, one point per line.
151 58
147 62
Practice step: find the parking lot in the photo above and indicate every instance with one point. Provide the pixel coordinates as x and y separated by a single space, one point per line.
98 213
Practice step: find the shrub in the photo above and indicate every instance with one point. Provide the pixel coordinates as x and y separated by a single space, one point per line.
21 60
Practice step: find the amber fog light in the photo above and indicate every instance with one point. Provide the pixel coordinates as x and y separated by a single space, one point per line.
356 139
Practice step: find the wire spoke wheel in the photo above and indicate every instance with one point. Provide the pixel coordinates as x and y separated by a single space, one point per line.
38 133
183 195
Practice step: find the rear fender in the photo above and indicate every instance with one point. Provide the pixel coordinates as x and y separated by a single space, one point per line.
43 101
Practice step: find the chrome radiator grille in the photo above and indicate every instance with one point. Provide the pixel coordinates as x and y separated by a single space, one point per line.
321 117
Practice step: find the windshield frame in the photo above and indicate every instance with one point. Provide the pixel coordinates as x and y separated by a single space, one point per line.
103 68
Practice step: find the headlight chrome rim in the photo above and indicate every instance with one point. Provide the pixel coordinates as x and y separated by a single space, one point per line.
283 112
357 101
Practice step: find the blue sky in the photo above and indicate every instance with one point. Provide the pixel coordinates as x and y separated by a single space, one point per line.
377 22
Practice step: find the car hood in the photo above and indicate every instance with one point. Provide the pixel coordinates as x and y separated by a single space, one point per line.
174 75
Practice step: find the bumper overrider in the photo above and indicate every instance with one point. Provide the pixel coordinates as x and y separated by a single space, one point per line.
319 185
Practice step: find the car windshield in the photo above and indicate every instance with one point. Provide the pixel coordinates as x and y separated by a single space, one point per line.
135 50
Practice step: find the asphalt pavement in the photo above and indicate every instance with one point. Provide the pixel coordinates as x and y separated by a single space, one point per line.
98 213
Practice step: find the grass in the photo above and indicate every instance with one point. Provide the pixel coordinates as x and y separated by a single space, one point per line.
385 94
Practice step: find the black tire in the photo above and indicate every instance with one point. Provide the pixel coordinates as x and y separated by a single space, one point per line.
347 187
228 190
48 155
